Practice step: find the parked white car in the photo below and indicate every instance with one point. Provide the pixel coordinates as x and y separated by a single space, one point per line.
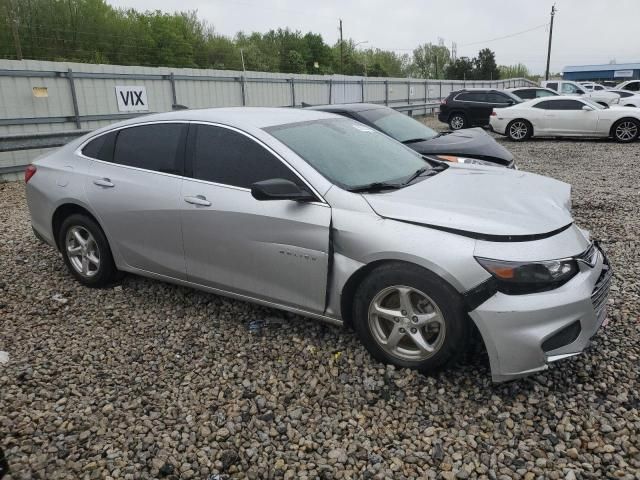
592 86
628 98
631 85
566 116
566 87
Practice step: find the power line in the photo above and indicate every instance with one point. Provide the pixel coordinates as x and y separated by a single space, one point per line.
505 36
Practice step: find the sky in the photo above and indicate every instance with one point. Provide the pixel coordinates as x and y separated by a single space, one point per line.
584 32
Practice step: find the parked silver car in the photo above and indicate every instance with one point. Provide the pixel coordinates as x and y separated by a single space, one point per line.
326 217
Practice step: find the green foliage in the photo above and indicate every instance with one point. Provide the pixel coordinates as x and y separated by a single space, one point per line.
482 67
485 65
460 69
94 31
514 71
430 61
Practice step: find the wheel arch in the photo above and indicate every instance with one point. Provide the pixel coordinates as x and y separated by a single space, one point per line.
63 211
529 122
347 294
457 111
613 126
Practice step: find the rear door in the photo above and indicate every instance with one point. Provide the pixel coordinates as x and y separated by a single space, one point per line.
275 251
476 107
135 191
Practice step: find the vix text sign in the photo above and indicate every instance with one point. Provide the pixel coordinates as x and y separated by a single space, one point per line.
132 99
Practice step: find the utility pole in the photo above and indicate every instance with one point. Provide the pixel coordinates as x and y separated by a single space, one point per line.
341 49
553 13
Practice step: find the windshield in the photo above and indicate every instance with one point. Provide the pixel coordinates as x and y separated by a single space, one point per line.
593 104
349 153
397 125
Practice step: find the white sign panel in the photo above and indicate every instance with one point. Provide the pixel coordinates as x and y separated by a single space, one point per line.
623 74
132 99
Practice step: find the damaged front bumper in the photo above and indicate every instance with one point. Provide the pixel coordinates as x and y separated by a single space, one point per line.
524 333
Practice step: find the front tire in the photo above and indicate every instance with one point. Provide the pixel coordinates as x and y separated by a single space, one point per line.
409 317
626 130
519 130
458 121
86 251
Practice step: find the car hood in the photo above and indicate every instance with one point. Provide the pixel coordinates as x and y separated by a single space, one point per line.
472 142
482 202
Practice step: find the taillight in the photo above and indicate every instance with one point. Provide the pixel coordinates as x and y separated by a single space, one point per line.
493 113
29 172
443 101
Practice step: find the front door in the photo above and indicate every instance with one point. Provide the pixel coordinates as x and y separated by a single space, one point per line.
271 250
566 117
134 188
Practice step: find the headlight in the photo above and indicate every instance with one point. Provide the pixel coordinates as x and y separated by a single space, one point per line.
529 277
469 161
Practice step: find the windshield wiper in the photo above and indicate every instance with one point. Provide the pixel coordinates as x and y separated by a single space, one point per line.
416 174
415 140
375 187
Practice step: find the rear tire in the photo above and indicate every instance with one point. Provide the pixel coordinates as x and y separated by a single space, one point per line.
519 130
625 130
458 121
409 317
86 251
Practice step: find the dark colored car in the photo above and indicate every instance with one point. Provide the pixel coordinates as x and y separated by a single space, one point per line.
472 107
471 146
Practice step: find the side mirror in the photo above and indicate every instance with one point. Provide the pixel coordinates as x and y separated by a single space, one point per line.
280 189
510 103
587 108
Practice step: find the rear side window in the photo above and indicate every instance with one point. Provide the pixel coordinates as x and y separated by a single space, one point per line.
101 148
157 147
227 157
552 86
543 105
525 94
565 105
544 93
472 97
497 98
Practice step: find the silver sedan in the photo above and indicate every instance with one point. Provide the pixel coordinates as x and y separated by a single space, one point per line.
325 217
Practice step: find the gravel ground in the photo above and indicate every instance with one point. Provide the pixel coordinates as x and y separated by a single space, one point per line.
149 380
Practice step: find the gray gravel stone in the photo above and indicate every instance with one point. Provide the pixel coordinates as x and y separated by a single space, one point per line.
149 380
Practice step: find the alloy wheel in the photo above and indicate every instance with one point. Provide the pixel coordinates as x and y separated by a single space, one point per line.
627 130
406 323
457 122
518 130
83 251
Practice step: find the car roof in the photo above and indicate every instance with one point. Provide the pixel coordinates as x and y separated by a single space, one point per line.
257 117
478 89
513 89
346 107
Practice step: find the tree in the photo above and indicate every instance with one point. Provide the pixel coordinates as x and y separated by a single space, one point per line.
430 61
461 69
514 71
485 65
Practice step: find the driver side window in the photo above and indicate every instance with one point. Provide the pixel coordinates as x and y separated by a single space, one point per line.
569 88
224 156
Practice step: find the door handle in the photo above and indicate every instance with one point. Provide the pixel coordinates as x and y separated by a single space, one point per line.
200 200
103 182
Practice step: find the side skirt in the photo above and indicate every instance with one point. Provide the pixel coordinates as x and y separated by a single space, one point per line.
185 283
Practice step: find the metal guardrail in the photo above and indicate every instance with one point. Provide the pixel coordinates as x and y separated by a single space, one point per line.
31 141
